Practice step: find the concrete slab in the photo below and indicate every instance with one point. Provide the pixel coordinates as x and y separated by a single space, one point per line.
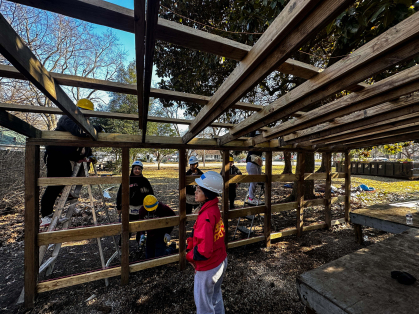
361 283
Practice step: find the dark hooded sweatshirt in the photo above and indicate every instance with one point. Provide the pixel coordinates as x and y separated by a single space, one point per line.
139 187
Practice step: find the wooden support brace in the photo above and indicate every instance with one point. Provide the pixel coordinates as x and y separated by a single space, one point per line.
347 185
226 175
300 193
358 234
14 123
328 190
125 218
139 18
268 199
182 209
31 223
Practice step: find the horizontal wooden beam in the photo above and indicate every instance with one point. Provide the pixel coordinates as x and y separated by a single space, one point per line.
391 88
49 181
387 111
131 89
380 141
299 21
154 263
242 212
78 279
78 234
409 124
134 141
103 114
251 240
396 45
16 52
15 124
150 224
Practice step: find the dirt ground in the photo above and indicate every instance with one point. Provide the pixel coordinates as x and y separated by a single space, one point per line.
258 280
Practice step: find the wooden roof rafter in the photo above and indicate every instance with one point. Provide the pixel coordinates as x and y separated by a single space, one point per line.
15 51
298 22
397 44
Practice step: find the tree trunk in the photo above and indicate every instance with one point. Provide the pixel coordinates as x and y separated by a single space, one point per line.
203 159
308 184
287 160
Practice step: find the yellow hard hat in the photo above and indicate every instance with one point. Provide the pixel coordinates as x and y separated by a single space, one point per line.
85 104
150 203
231 158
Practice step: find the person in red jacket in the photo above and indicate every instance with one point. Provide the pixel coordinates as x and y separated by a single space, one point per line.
206 248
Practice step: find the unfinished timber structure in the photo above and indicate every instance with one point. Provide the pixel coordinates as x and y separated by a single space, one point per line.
382 113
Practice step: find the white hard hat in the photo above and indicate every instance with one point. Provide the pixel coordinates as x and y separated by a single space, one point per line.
193 160
137 163
212 181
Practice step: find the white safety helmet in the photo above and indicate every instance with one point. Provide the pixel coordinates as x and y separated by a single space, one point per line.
212 181
193 160
137 163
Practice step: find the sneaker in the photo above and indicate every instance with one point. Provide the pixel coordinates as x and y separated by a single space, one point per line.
252 201
45 221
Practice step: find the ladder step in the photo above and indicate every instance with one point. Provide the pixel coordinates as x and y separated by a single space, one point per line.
47 263
244 230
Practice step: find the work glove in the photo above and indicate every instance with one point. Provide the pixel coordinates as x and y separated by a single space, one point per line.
142 239
166 238
93 159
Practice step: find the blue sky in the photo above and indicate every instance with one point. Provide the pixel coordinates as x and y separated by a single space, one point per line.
127 40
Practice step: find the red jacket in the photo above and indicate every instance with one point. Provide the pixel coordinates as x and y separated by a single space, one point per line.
207 247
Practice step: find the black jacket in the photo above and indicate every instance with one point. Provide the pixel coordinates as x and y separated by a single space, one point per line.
233 171
139 187
161 211
65 124
190 189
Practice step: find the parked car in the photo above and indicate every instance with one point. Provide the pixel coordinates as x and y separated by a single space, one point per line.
380 159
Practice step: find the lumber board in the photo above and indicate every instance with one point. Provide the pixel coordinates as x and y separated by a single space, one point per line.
192 217
381 113
276 208
328 190
285 233
380 141
402 127
392 47
151 224
31 254
388 89
242 212
299 21
125 169
300 193
139 27
78 234
268 200
408 119
103 114
150 40
16 52
123 88
247 178
347 185
238 243
154 263
48 181
18 125
283 177
182 209
78 279
225 196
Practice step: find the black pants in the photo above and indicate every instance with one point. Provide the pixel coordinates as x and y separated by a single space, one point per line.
232 194
57 166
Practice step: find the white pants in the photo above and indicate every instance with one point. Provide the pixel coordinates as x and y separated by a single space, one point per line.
207 290
253 169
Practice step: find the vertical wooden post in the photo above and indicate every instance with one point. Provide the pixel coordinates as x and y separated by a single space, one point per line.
347 185
125 218
31 223
268 199
300 193
139 26
226 176
182 209
328 190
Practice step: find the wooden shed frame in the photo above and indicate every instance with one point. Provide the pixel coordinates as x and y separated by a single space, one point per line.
384 112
